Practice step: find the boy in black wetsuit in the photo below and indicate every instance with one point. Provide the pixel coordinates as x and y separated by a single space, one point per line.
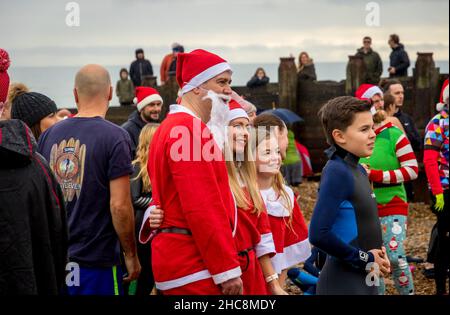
345 222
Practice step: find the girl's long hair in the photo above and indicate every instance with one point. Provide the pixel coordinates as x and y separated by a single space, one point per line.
259 69
278 180
142 150
300 65
246 171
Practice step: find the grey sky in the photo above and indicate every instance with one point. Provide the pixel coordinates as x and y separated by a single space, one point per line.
243 31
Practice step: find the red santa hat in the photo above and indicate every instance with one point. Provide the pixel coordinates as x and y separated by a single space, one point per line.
145 95
197 67
236 111
367 91
4 77
443 100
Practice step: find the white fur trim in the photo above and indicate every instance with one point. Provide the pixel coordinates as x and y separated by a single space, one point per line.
167 285
227 275
148 100
204 76
277 262
237 113
371 92
145 226
274 206
176 108
235 215
296 253
265 246
291 255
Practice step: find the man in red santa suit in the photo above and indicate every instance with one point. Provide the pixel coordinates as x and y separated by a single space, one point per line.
193 251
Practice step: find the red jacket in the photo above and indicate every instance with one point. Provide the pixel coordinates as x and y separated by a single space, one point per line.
165 65
195 195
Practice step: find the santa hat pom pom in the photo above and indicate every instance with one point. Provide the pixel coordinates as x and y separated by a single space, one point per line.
4 60
135 100
443 100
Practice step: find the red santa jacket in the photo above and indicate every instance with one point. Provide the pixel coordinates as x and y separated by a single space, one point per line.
291 240
192 187
253 232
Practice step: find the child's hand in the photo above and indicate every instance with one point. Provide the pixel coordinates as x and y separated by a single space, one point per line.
156 217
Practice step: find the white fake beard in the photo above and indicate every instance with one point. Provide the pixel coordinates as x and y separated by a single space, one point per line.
218 122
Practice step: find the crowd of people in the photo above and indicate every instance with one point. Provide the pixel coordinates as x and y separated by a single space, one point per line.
306 71
197 204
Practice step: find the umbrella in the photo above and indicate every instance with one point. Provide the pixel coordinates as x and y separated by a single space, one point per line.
286 115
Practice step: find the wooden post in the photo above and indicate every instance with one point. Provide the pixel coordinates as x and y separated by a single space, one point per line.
169 93
287 79
426 87
356 70
149 80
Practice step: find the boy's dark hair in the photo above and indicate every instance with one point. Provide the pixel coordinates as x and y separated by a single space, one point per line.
367 38
387 84
123 70
395 38
339 113
389 99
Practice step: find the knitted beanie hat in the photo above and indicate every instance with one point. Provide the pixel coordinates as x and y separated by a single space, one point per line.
32 107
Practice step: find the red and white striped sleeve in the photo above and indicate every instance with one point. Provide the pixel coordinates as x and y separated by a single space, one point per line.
408 165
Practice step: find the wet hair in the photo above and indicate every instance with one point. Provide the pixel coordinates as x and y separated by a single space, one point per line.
339 113
395 38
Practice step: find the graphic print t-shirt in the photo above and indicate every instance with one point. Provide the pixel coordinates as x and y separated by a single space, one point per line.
85 154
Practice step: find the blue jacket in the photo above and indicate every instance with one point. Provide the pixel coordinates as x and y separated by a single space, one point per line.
400 61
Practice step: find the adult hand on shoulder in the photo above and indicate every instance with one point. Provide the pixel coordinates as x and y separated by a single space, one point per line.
440 203
133 267
156 217
232 287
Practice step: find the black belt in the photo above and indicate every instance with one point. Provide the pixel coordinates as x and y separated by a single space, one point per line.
175 230
381 185
245 254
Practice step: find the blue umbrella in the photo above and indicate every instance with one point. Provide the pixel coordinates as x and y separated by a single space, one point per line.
286 115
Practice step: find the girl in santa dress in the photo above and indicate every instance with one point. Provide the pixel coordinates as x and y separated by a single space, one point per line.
290 233
252 230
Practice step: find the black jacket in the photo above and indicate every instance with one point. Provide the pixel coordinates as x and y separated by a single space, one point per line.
308 73
410 129
133 126
33 226
400 61
139 68
140 199
256 82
